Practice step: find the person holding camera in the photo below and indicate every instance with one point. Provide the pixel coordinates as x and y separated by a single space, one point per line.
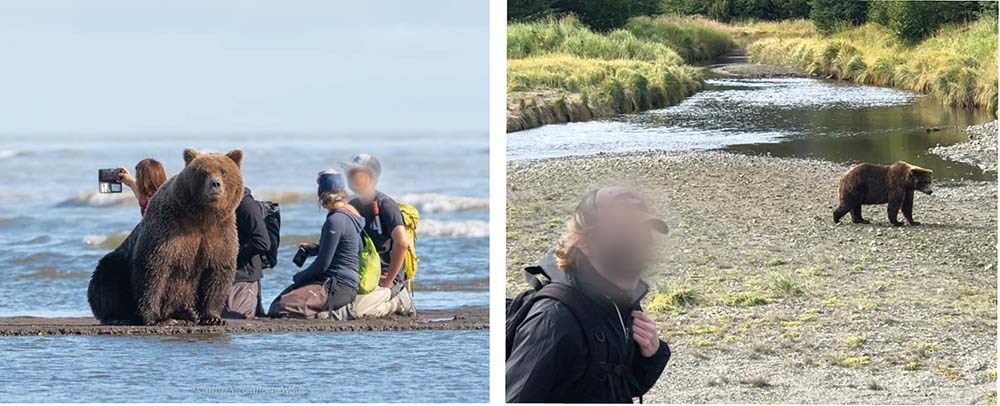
149 175
583 337
331 281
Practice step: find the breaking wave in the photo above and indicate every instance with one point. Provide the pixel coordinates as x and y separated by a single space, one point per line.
95 199
106 241
453 229
426 228
437 203
424 202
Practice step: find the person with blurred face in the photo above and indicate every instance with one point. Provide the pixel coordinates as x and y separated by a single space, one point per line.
591 342
384 224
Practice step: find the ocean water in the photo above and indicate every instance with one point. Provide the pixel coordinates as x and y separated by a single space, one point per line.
410 367
54 226
787 117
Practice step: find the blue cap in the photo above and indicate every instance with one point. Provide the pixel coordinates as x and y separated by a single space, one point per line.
329 181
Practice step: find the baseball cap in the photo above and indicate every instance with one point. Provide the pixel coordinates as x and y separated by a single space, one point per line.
330 180
364 162
616 196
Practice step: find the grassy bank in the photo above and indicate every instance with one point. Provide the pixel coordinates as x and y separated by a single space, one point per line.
958 64
560 71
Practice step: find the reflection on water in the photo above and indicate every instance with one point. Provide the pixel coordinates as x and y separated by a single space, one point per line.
288 367
790 117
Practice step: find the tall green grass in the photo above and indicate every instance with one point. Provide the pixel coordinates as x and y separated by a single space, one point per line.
958 64
553 63
694 39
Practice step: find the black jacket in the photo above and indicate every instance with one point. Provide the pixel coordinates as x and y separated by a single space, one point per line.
254 240
550 360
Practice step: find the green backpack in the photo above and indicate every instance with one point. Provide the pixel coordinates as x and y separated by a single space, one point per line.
369 265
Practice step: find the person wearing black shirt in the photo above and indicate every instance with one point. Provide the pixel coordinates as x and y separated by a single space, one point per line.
244 296
384 225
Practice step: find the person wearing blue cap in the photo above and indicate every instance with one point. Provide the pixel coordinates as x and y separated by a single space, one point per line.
384 224
331 281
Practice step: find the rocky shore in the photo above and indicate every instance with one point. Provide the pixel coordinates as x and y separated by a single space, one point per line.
764 299
466 318
979 150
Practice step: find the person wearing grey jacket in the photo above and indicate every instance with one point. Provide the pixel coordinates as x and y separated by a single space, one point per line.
331 281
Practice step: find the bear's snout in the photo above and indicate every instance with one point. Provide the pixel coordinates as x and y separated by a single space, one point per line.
214 188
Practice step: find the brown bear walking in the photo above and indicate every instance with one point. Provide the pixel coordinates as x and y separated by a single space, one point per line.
180 260
880 184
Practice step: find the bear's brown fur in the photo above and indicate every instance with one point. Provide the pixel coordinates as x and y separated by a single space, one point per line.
880 184
180 260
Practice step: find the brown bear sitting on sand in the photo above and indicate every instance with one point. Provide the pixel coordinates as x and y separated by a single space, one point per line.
180 260
880 184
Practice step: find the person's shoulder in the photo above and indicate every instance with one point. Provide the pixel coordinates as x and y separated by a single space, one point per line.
385 200
556 314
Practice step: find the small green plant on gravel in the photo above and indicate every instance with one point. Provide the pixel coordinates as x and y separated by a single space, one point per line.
854 342
784 285
811 271
555 222
857 268
733 339
807 316
702 330
701 342
676 298
856 361
775 262
911 366
830 301
950 373
744 299
923 350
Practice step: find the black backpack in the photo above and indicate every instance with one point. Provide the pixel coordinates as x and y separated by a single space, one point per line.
272 219
581 307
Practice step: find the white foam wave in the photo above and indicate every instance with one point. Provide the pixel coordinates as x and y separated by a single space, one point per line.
95 199
9 153
437 203
107 241
453 229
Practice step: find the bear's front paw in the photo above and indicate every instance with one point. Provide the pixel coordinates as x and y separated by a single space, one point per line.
897 224
914 223
166 322
212 321
862 221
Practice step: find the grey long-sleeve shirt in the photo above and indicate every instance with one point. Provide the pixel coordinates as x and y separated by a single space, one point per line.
337 252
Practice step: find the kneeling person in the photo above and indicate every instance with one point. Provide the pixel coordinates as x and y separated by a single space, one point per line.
331 282
244 296
384 224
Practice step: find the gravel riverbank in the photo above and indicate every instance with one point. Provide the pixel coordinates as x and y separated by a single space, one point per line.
979 150
764 299
466 318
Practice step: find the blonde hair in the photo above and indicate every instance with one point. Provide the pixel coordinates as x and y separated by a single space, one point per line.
330 200
567 249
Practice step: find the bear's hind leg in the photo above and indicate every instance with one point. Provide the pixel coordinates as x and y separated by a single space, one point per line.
109 292
893 210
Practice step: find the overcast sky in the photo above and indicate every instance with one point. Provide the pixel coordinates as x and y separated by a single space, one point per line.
95 66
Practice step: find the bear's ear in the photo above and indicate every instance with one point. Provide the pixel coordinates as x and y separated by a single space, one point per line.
189 155
236 155
918 170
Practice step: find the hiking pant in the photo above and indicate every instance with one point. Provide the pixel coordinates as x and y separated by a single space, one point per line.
380 303
242 300
314 301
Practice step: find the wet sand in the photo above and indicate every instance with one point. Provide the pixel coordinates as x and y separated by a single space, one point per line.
465 318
